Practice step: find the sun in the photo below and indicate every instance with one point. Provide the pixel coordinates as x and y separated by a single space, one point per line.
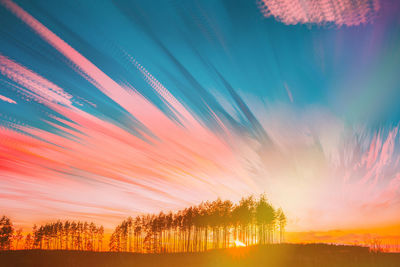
239 243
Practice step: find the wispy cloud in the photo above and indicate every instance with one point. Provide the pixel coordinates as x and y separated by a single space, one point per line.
342 12
7 99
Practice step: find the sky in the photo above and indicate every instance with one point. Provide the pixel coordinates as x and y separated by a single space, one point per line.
110 109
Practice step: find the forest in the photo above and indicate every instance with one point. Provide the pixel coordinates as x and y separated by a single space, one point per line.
58 235
209 225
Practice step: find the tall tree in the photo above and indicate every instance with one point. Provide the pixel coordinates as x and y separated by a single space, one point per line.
100 234
18 237
28 241
265 216
6 233
282 223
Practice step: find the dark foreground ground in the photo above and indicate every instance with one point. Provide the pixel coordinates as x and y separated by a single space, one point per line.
273 255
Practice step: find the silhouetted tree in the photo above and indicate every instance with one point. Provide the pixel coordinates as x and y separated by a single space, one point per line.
6 233
265 217
282 223
18 237
215 224
100 236
68 235
28 241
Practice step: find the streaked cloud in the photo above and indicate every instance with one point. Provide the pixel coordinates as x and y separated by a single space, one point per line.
342 12
6 99
141 120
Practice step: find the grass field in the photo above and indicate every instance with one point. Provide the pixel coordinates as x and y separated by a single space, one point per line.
268 255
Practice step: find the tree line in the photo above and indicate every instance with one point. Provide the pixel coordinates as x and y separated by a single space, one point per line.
210 225
57 235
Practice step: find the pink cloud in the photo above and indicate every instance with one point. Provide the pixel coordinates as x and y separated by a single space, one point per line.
6 99
341 12
40 89
288 92
160 172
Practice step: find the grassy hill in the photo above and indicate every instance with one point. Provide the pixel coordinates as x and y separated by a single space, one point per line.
268 255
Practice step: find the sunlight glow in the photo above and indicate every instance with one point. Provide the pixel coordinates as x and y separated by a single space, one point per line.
239 243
